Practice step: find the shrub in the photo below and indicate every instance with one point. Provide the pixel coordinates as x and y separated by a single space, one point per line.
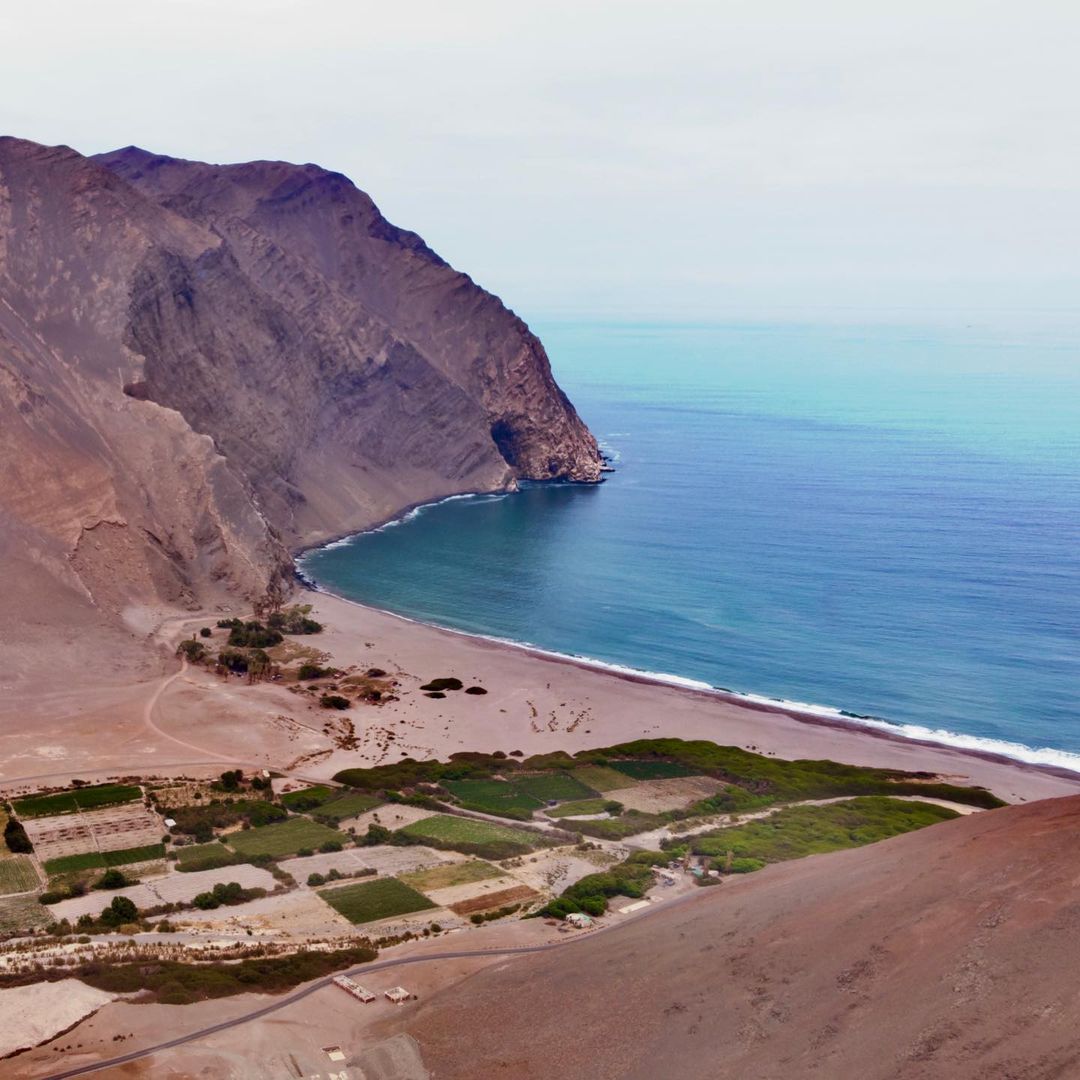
443 684
312 671
15 837
112 879
121 910
475 690
232 660
316 879
253 635
191 650
295 620
334 701
329 846
205 632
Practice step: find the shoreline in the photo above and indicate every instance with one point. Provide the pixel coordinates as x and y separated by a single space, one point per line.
805 713
706 694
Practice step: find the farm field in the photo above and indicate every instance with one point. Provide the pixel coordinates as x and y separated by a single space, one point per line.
450 874
90 831
517 894
283 838
600 778
576 807
203 857
308 797
349 805
473 837
66 802
88 860
372 900
670 793
493 797
553 785
22 913
17 874
651 770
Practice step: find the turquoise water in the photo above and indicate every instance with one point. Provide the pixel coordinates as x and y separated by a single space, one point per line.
879 520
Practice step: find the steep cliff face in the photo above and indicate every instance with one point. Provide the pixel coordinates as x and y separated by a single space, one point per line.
202 366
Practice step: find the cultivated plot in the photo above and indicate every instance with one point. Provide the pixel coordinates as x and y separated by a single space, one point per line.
283 838
369 901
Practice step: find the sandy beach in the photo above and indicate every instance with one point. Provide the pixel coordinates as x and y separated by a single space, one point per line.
188 721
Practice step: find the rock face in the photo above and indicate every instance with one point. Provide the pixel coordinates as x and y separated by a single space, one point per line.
202 367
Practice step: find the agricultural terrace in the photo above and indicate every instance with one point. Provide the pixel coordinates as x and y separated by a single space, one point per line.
284 838
451 874
347 805
485 839
17 875
372 900
82 798
194 857
90 860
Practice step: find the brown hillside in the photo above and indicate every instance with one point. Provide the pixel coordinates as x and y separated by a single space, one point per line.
947 953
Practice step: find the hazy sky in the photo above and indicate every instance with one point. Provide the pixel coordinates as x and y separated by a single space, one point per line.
622 158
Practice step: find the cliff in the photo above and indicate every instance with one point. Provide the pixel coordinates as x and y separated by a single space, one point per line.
204 366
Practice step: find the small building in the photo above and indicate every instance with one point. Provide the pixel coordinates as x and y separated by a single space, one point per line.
353 988
579 920
170 823
397 995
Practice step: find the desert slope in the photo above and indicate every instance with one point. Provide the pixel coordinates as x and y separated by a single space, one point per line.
947 953
202 367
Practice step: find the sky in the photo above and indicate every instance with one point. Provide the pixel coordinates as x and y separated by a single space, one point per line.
621 159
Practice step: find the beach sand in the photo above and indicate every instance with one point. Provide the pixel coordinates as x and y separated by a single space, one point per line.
192 722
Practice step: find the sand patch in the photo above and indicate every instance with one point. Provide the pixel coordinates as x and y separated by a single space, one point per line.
656 796
31 1014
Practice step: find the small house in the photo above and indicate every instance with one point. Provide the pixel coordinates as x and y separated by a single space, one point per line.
397 995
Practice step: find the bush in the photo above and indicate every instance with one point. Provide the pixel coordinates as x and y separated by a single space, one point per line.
232 660
475 690
334 701
191 650
312 671
443 684
295 620
16 839
329 846
112 879
253 635
121 910
316 879
205 632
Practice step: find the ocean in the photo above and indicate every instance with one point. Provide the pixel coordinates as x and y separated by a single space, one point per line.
874 520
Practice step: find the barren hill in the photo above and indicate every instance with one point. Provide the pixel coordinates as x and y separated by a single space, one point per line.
203 366
946 953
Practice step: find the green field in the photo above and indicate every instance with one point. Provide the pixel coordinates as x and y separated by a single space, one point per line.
20 913
17 874
284 838
473 837
443 877
493 797
372 900
811 830
651 770
577 806
599 777
67 802
348 805
88 860
204 857
554 785
308 798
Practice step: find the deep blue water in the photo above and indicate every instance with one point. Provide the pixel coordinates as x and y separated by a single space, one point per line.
880 520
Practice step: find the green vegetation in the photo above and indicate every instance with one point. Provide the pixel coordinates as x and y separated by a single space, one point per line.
17 875
90 860
579 806
493 797
194 652
443 877
294 620
629 823
174 983
200 821
371 900
253 635
80 798
21 913
347 806
479 917
798 831
651 770
485 839
112 879
556 785
438 685
285 838
334 701
630 878
308 671
18 843
205 857
309 798
600 778
228 894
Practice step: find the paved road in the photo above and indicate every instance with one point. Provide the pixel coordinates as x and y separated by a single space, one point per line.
363 969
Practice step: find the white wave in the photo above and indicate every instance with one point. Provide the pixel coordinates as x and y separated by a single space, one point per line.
1046 755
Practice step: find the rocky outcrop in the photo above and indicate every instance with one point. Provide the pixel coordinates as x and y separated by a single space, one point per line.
204 366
